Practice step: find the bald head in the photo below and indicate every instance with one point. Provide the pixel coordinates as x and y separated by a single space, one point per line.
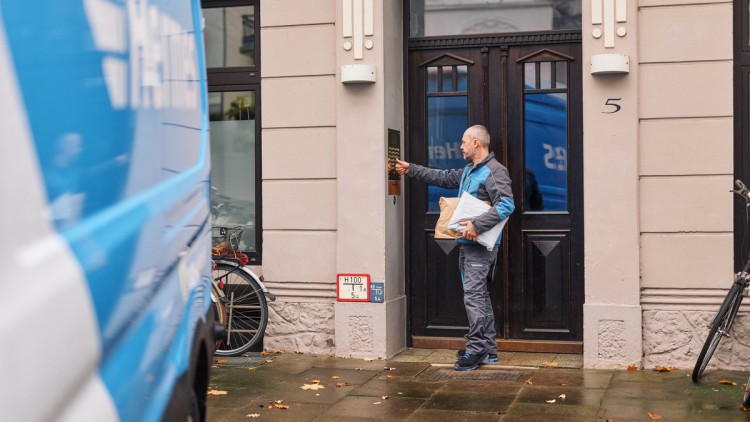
481 134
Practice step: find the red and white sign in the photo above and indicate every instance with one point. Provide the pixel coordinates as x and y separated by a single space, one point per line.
353 287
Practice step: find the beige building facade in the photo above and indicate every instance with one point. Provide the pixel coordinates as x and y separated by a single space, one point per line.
657 138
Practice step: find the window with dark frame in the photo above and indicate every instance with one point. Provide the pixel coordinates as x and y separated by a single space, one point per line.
231 34
463 17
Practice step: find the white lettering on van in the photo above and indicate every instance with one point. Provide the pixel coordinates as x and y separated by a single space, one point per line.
150 60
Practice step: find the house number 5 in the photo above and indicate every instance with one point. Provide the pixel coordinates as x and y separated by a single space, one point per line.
612 102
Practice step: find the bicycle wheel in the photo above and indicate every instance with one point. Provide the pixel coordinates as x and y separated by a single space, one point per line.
244 311
719 328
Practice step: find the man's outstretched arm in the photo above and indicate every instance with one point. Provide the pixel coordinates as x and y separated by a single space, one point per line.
450 179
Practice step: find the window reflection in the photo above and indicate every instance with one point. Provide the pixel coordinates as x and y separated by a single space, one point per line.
232 116
447 119
230 36
546 152
456 17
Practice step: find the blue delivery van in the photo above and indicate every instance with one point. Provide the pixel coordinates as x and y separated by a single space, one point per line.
104 225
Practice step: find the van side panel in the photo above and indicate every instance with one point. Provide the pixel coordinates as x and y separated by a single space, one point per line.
114 97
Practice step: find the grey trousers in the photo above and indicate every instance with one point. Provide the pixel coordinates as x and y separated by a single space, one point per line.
474 262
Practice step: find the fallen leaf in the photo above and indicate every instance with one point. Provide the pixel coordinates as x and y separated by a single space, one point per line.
528 381
269 360
280 406
632 367
378 402
551 364
251 369
389 369
254 415
550 401
384 397
314 382
563 385
400 393
389 376
342 384
367 359
312 386
727 382
335 377
653 416
220 361
216 393
358 369
664 368
562 396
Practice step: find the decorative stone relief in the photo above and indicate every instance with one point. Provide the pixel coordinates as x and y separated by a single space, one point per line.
611 340
609 18
358 26
675 338
360 333
300 327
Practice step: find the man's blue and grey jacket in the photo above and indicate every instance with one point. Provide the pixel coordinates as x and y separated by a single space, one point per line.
487 180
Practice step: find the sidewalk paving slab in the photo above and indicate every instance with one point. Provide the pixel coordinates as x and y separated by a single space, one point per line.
420 385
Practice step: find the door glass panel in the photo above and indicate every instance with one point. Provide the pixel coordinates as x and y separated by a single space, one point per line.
561 74
447 119
545 75
448 79
432 79
230 36
546 152
232 125
457 17
529 75
463 78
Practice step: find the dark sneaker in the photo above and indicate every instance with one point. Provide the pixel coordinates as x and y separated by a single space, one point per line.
490 358
469 362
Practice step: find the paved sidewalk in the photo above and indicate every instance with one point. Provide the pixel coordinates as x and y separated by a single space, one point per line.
420 385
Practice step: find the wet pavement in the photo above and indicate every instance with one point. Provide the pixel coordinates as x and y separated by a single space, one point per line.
421 385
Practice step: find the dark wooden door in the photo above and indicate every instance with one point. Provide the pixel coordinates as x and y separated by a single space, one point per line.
545 152
447 97
529 97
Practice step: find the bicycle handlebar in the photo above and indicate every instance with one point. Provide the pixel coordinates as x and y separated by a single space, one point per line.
741 190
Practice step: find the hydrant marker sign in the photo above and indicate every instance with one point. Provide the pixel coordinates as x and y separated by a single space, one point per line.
353 287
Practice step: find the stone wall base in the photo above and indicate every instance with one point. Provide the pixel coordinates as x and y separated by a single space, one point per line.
300 327
675 338
375 330
611 335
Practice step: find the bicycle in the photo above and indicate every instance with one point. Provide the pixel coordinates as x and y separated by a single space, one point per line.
239 296
722 323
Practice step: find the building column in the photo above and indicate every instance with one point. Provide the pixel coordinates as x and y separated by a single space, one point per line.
370 226
612 311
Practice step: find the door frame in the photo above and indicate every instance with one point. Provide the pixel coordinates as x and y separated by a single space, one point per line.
463 41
